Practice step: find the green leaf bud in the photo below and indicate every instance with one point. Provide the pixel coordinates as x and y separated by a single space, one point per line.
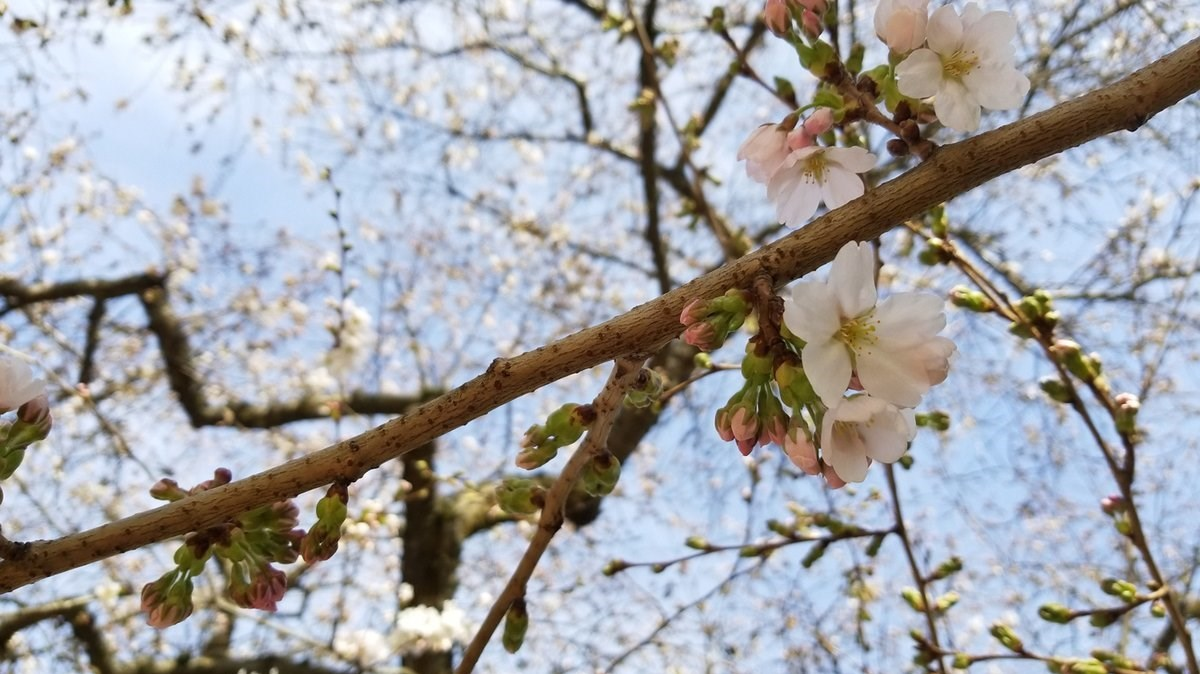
912 596
1056 390
971 300
1055 613
1007 637
1119 588
516 624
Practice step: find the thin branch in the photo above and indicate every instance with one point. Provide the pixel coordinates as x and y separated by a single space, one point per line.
607 404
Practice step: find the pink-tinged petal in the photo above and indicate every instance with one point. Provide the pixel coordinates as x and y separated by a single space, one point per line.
945 31
843 449
891 377
935 358
883 14
956 107
919 75
884 441
840 187
997 88
811 313
854 159
831 478
852 280
801 451
905 320
827 364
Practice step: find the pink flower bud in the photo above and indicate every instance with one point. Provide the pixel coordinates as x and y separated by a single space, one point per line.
815 6
777 17
723 427
1112 504
694 312
801 451
799 139
746 446
811 24
820 121
745 424
701 335
36 412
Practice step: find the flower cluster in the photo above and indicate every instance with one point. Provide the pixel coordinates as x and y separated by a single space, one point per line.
963 62
798 173
849 367
249 545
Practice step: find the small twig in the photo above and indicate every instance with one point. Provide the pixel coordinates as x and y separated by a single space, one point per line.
918 576
607 404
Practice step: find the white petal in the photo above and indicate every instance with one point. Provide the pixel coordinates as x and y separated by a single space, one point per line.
854 159
908 319
811 313
956 107
919 75
991 34
843 449
795 194
859 409
1002 88
883 14
885 437
892 377
840 187
827 364
852 280
945 31
971 14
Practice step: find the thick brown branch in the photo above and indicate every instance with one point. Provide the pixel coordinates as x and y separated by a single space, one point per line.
954 169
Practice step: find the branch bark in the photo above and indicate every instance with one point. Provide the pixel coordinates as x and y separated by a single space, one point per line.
952 170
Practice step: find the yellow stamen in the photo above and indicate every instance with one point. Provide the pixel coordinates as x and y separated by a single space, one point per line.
958 64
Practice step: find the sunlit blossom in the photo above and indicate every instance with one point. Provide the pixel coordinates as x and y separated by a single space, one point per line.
968 64
892 346
811 175
863 428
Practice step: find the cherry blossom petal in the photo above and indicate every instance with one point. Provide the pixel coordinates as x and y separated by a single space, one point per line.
885 437
827 364
840 187
945 31
843 449
812 312
956 107
891 377
17 385
997 87
905 320
853 159
991 36
919 75
852 280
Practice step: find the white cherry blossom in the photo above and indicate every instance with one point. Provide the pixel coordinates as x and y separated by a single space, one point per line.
810 175
17 385
862 427
892 346
901 23
968 64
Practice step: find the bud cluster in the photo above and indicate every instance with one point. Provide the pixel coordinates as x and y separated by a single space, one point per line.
249 545
710 322
322 538
563 427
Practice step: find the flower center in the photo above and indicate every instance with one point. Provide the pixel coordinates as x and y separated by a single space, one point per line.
958 64
858 332
815 166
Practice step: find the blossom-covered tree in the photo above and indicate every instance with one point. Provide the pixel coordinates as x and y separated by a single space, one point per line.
418 316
